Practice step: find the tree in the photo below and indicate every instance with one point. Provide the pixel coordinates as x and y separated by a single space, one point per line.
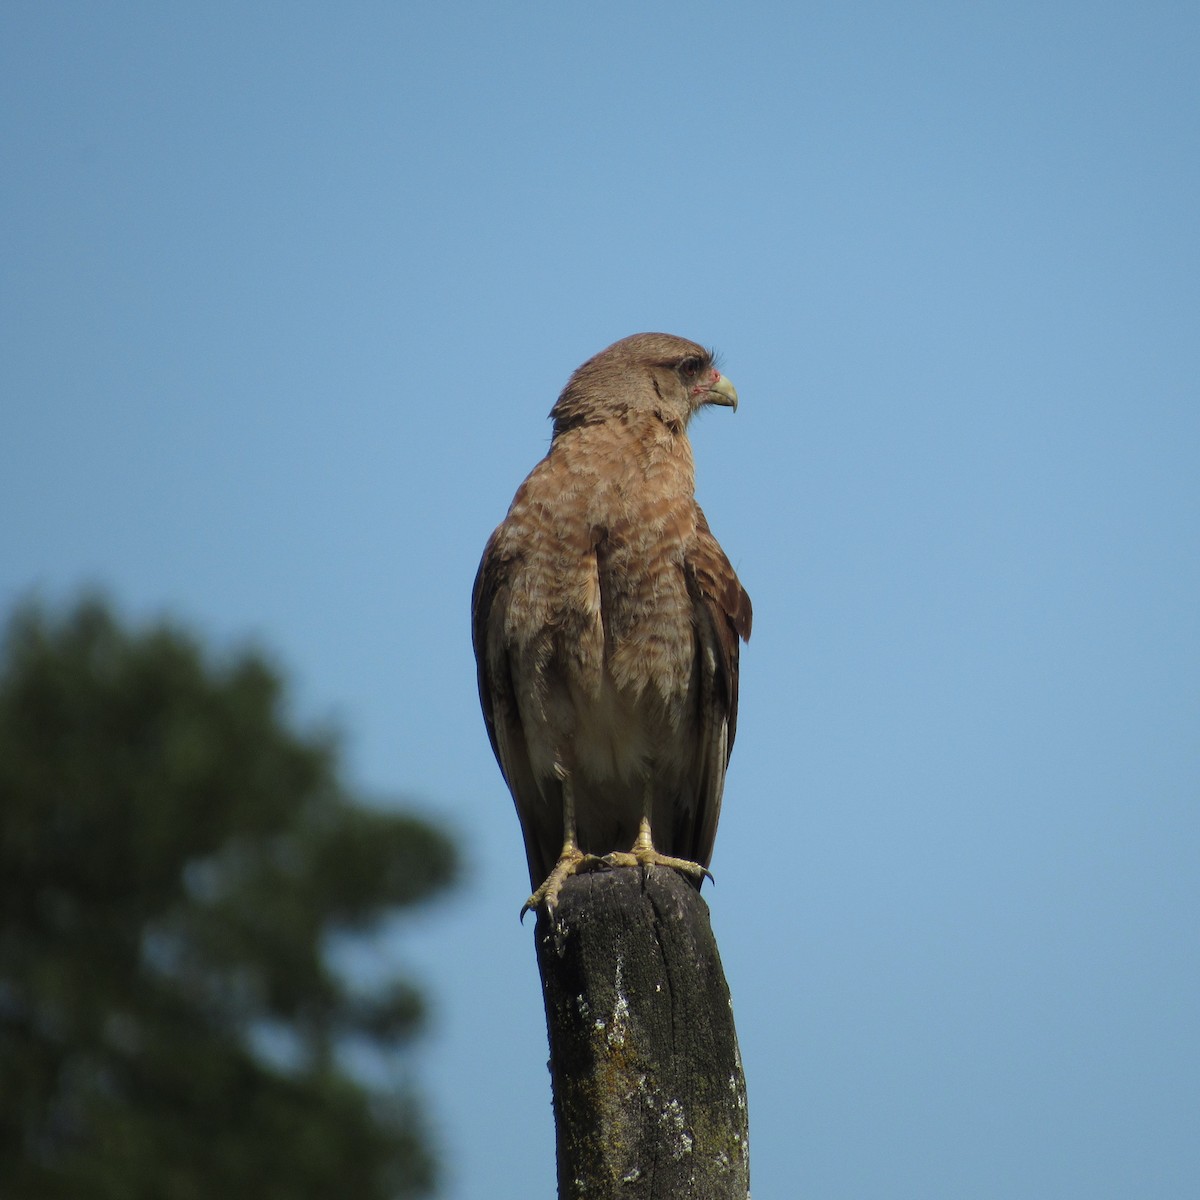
174 863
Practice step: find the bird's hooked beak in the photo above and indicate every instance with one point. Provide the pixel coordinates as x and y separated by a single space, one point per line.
722 392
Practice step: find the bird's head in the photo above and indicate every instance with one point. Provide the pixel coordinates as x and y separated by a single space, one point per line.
653 373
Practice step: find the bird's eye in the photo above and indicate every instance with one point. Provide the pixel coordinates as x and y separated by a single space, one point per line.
689 366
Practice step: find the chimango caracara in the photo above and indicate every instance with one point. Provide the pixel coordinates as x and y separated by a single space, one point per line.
606 621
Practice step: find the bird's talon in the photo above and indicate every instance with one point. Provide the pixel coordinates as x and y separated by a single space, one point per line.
643 857
570 863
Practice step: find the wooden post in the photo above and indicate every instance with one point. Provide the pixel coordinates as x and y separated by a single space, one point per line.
649 1096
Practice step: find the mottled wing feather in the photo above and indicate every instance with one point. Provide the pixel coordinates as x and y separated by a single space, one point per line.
501 714
483 595
723 615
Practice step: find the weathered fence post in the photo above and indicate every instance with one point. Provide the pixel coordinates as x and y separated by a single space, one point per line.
649 1096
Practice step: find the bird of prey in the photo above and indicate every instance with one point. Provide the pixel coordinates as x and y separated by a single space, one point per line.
606 621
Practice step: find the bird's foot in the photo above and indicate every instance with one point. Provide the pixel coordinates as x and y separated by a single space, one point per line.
571 862
644 855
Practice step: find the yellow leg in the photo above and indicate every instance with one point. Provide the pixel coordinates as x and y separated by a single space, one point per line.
571 860
643 853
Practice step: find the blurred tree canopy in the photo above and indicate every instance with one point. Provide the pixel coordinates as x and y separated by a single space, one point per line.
174 862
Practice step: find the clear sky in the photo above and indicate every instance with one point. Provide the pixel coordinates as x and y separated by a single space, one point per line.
287 292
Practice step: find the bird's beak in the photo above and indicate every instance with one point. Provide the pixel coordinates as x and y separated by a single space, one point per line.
723 393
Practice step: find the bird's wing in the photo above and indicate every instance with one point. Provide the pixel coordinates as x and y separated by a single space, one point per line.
723 615
501 713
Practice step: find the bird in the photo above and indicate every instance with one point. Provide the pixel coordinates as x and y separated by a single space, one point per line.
606 622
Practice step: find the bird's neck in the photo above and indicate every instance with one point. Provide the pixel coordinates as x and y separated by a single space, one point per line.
631 444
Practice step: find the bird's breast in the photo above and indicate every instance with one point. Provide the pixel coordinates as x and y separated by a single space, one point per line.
603 524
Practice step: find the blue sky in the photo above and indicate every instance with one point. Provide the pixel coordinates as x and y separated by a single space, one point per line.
287 293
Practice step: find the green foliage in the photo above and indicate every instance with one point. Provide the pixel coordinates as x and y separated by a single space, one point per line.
173 864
